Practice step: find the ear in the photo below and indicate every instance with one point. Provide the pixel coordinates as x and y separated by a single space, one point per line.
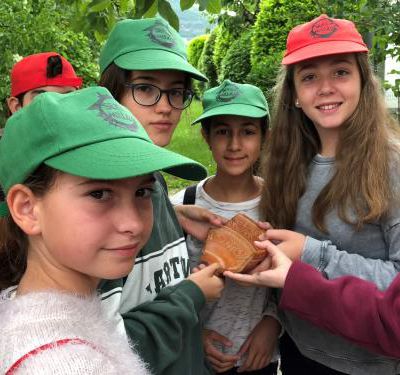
22 204
13 104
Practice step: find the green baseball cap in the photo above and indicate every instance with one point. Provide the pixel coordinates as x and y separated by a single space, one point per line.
146 44
85 133
231 98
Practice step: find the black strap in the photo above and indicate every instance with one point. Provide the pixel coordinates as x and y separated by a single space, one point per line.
160 178
190 195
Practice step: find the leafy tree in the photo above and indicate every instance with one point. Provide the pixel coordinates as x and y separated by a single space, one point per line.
195 49
34 26
206 65
101 15
236 63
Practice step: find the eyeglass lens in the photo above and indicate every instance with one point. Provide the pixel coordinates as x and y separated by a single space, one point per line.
146 94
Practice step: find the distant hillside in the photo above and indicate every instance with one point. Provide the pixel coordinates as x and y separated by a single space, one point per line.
192 22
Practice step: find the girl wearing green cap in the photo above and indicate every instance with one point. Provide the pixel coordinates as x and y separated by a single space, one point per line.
331 173
144 65
79 210
240 332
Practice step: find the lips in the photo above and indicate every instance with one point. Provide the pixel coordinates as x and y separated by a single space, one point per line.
127 250
162 125
329 106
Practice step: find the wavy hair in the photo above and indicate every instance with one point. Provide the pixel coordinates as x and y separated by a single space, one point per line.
361 182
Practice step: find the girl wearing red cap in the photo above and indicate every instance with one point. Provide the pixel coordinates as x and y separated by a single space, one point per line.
331 171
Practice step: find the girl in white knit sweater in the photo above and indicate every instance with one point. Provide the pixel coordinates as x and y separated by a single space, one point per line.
77 173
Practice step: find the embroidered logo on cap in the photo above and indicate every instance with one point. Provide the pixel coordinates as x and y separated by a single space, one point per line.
110 111
160 34
324 28
228 92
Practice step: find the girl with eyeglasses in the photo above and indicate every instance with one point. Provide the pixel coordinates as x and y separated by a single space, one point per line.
144 65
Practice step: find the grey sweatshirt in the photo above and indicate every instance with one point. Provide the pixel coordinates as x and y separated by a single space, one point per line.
373 253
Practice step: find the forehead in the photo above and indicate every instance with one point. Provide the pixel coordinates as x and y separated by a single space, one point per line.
160 76
232 120
326 61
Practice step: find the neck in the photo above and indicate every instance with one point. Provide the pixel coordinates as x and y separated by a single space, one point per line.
329 141
233 189
41 275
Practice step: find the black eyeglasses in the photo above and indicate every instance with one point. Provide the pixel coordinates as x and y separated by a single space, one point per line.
148 95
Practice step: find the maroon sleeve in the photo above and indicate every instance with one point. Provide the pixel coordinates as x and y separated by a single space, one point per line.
346 306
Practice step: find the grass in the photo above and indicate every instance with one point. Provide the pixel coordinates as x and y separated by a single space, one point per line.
187 140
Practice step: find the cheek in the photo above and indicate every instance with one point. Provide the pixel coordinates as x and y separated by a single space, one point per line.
140 112
146 214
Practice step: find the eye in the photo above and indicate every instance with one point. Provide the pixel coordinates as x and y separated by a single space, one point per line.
177 93
144 89
308 77
101 194
341 73
145 192
221 131
249 131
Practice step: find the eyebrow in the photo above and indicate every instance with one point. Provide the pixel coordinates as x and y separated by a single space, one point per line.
221 123
335 62
149 179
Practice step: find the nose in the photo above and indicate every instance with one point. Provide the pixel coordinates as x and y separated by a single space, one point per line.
163 106
326 86
128 219
234 142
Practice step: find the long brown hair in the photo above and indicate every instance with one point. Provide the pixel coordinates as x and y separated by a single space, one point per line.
13 241
361 181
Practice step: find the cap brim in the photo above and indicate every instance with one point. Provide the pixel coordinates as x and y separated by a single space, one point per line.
327 48
244 110
157 60
123 158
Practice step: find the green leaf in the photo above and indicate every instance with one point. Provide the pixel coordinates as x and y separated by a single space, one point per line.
203 4
166 11
99 5
186 4
214 6
152 11
124 5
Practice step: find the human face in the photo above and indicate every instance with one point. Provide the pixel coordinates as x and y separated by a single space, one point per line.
14 104
160 119
328 90
92 229
235 143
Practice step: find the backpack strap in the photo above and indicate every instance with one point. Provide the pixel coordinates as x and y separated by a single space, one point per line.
190 195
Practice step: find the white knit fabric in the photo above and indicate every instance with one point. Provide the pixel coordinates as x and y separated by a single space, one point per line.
35 319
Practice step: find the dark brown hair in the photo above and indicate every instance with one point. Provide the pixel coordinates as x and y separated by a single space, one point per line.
13 241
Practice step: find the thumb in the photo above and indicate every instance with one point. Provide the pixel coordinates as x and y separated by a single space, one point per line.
272 249
211 269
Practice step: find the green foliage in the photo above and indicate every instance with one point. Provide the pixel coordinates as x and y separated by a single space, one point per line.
224 39
275 19
187 140
236 63
33 26
195 49
206 66
99 16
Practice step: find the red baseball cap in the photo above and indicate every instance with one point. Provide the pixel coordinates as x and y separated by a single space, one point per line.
32 72
321 37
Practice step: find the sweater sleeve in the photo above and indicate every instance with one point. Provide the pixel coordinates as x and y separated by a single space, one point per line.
158 329
334 262
365 315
